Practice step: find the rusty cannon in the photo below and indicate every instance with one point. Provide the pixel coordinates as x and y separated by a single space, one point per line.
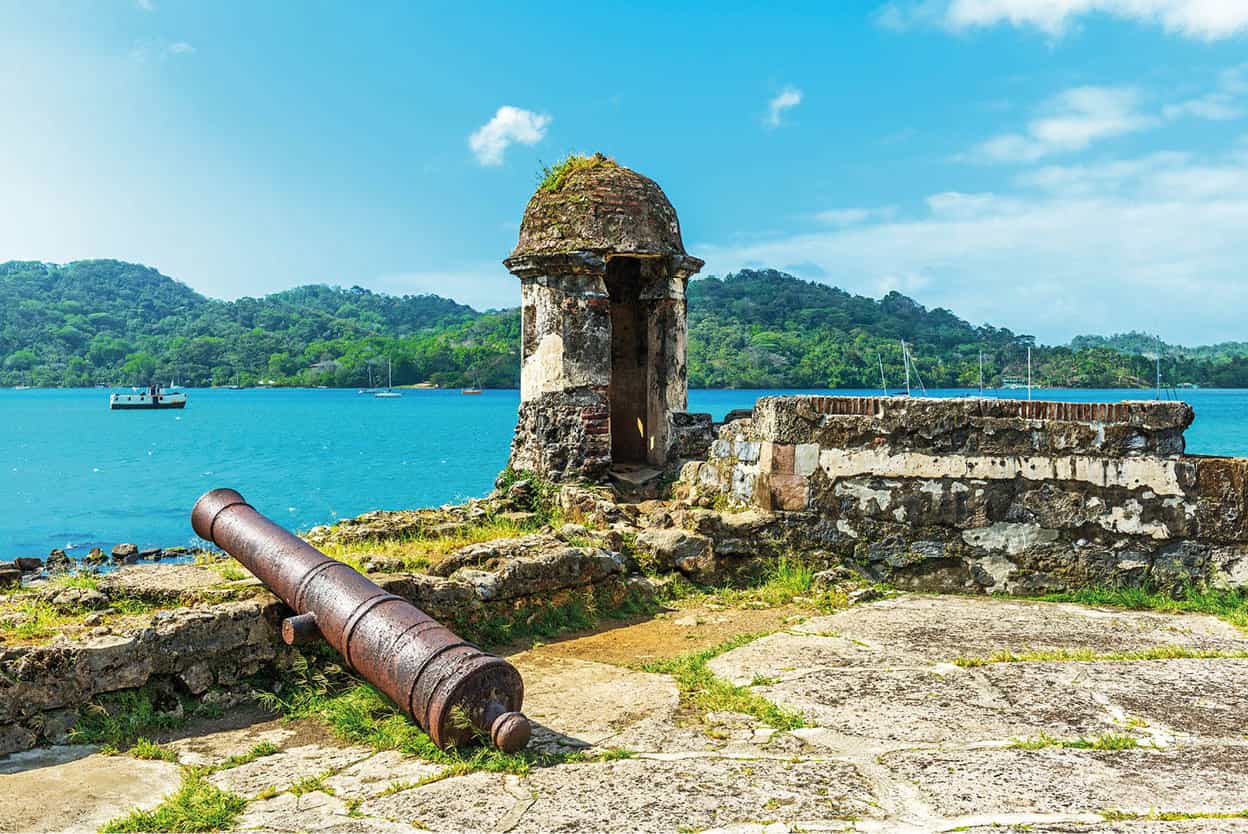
452 689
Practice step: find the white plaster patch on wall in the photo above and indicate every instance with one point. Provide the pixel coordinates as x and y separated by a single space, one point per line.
543 370
744 478
749 450
938 489
1127 518
869 500
1159 475
1000 569
1228 567
1010 537
846 528
806 458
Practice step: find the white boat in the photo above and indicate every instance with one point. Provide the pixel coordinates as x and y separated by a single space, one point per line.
388 393
152 397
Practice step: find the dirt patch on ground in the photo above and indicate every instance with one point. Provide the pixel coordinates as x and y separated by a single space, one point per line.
673 632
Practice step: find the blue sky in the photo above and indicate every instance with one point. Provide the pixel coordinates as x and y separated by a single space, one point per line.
1054 166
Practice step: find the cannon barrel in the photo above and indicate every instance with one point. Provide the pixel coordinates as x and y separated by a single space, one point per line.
450 687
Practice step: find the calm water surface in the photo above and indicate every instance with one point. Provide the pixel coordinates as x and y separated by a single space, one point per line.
75 475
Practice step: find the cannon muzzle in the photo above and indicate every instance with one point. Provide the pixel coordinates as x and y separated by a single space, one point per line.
452 689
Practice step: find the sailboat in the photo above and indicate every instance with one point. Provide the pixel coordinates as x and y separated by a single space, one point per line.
389 383
475 388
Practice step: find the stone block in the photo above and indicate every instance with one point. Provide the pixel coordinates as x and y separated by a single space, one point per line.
806 458
776 458
789 492
747 450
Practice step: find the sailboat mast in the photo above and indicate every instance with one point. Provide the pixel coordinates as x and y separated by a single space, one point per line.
981 373
1159 367
883 384
905 358
1029 373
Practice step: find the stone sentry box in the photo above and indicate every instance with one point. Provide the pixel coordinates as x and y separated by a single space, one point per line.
990 495
603 273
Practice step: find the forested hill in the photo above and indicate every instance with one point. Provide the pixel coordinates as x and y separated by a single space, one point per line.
119 323
115 323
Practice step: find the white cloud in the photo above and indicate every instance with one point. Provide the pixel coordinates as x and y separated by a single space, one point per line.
1204 19
510 125
1152 242
854 216
1071 121
180 48
1220 105
787 99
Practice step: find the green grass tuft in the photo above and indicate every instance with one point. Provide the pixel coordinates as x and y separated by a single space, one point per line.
701 690
1107 741
1164 652
787 581
1230 605
264 748
553 177
147 749
123 718
197 805
309 784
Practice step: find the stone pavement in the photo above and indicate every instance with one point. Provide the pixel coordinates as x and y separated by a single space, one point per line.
900 737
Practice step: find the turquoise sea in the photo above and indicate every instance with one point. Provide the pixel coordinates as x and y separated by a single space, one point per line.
75 475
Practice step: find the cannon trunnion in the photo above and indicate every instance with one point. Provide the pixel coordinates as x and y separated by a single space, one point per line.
451 688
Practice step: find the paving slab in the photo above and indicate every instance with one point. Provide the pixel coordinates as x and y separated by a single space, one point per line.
461 804
577 704
1200 698
74 788
697 793
211 749
1196 826
909 706
315 811
634 795
382 772
940 629
283 769
1203 778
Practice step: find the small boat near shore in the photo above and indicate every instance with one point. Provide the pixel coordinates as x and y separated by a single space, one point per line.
153 397
389 393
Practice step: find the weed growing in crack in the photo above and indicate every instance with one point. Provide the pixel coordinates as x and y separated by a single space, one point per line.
702 690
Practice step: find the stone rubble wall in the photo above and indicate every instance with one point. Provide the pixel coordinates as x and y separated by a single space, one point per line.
988 495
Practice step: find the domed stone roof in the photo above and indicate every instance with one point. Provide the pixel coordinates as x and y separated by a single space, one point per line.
592 204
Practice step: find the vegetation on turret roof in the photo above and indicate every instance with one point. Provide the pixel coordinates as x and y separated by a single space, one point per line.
552 178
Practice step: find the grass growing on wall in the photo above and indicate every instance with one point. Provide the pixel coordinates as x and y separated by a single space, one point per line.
121 719
419 552
786 581
24 615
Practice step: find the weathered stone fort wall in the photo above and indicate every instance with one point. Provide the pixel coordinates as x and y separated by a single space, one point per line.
989 495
